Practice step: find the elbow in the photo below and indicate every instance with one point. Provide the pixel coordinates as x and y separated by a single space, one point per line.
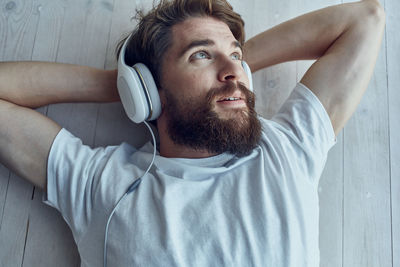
375 11
369 16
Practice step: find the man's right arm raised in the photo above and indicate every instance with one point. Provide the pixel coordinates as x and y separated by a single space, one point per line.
26 136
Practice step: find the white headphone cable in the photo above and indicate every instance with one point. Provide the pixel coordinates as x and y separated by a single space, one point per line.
131 188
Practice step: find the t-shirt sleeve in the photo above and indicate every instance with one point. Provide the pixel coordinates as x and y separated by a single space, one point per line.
304 131
73 173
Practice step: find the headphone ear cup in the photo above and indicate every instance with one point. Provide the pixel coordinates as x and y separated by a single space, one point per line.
151 91
138 92
248 73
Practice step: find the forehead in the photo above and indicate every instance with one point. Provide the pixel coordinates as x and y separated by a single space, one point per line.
200 28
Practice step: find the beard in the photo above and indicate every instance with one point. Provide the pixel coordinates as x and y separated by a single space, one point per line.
195 124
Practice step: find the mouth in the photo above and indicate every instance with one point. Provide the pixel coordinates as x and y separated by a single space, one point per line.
236 96
232 101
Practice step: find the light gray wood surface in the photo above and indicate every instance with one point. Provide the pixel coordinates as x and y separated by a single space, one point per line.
360 186
393 88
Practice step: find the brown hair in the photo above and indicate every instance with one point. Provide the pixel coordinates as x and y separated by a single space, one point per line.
153 36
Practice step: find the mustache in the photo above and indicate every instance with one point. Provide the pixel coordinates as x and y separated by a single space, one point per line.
229 88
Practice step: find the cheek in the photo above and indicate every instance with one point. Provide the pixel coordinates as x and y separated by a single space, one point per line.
188 82
192 86
201 83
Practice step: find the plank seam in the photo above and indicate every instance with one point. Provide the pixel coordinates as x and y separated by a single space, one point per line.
95 126
60 35
343 194
33 192
34 39
109 37
26 238
5 198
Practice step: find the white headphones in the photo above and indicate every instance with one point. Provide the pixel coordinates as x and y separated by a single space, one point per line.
138 91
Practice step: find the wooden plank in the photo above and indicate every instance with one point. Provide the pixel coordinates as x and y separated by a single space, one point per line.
17 30
15 222
367 224
246 10
47 41
331 208
393 57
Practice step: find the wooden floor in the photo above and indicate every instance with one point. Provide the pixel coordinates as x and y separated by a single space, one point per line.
360 187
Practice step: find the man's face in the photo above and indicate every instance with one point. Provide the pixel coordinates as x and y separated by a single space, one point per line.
203 88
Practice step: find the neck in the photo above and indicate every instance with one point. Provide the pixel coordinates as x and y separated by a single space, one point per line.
176 151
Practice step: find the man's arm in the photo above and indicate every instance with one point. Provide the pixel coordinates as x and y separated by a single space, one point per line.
25 140
346 40
25 135
35 84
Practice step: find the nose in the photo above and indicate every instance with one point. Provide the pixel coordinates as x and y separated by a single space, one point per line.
230 70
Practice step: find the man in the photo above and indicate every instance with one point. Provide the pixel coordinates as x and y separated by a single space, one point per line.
218 194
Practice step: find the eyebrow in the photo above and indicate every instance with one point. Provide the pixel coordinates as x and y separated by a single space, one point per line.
206 42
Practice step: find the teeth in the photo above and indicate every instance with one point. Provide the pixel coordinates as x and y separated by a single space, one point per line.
232 98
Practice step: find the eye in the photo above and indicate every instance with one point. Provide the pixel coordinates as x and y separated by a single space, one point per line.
200 55
236 56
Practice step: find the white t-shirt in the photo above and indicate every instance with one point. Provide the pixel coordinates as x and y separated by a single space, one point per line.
258 210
